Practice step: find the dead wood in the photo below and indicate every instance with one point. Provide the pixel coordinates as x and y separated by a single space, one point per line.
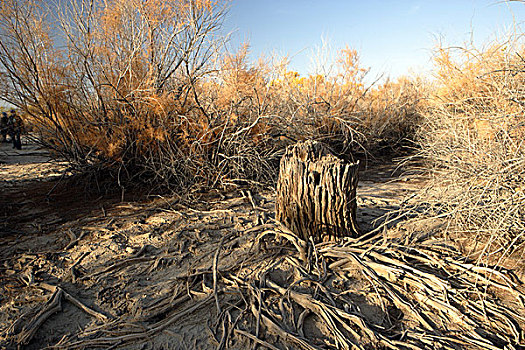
255 339
119 265
276 329
286 292
53 306
74 239
73 268
132 336
282 231
85 308
316 193
433 289
215 268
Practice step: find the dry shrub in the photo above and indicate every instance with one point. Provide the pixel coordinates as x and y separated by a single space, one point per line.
472 144
113 87
141 93
339 108
353 115
391 113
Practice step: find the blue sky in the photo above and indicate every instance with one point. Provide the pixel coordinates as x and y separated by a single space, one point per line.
395 37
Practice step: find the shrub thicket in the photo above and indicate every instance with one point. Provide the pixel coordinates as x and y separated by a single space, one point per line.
472 142
140 91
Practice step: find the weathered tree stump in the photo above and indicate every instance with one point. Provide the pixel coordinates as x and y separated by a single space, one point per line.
316 193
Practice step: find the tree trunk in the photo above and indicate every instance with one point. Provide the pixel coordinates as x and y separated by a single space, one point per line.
316 193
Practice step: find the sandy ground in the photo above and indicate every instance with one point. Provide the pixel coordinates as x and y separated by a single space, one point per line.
144 274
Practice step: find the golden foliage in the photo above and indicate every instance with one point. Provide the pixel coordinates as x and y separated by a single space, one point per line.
472 141
133 90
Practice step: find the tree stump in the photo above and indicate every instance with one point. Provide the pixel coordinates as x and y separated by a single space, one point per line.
316 193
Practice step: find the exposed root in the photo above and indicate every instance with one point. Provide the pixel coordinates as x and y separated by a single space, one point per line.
53 305
441 300
255 288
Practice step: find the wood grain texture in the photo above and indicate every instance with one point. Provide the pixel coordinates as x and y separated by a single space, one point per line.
316 193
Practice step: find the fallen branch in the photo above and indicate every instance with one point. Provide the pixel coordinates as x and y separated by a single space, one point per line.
74 239
53 306
133 336
255 339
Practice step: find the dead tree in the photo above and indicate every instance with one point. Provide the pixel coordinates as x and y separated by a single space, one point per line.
316 193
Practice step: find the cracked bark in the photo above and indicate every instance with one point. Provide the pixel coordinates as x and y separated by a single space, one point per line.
316 193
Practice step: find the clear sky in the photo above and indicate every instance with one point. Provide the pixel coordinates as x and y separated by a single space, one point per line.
394 37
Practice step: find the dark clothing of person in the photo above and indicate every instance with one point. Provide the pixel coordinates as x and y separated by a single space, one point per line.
14 129
3 126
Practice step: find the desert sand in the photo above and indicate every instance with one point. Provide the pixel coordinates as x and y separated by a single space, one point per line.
84 270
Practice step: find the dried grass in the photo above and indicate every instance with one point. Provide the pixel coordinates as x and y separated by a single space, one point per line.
472 145
179 113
